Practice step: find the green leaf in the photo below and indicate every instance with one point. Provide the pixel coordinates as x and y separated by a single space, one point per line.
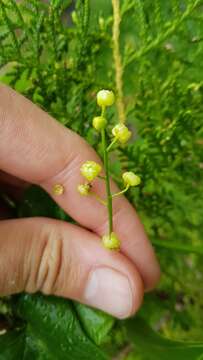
152 346
54 329
96 323
12 345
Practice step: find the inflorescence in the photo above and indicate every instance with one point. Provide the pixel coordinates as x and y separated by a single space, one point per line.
91 170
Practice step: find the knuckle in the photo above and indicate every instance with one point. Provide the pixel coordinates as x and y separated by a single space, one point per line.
46 265
65 170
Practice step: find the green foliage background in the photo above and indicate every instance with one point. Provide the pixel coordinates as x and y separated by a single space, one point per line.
59 55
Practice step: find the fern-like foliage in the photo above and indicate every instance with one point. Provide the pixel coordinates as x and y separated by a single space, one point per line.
49 55
156 23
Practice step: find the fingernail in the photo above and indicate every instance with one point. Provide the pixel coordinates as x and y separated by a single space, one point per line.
110 291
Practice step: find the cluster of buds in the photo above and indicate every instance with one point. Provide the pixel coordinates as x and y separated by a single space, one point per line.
130 179
120 132
91 170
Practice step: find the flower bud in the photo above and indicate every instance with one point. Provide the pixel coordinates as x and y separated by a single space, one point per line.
111 241
84 189
58 189
131 179
90 170
99 123
121 132
105 98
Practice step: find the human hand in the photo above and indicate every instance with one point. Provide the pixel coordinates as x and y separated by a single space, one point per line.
55 257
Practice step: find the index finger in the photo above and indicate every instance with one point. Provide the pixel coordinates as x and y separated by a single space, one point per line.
35 148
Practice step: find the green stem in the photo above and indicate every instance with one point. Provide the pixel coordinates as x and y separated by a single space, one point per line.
101 177
103 111
112 144
121 192
108 189
178 247
103 202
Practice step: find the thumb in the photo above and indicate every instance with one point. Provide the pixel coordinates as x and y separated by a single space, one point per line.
53 257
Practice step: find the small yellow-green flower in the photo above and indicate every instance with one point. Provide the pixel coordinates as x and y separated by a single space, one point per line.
111 241
99 123
84 189
58 189
90 170
121 132
131 179
105 98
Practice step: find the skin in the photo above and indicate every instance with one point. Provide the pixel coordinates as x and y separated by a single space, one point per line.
54 257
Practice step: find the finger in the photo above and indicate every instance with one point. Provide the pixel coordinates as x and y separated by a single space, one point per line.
42 151
57 258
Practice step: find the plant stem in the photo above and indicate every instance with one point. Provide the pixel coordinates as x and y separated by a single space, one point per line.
121 192
107 180
112 144
103 111
178 247
98 198
117 60
101 177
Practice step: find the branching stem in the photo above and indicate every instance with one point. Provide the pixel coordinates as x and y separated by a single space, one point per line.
101 177
112 144
121 192
103 202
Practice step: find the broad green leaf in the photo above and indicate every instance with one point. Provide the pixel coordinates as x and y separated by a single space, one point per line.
54 329
102 328
152 346
12 345
96 323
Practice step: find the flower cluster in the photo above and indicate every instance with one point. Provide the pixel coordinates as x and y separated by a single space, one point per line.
131 179
121 133
91 170
99 123
111 241
84 189
105 98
